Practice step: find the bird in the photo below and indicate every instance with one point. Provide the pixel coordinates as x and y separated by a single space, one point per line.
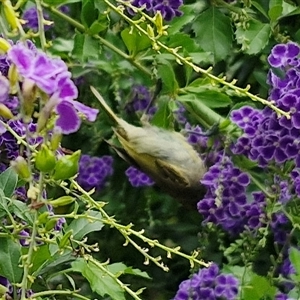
164 155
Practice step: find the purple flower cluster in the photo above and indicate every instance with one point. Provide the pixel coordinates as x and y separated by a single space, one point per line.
208 284
93 171
226 203
267 138
137 178
168 8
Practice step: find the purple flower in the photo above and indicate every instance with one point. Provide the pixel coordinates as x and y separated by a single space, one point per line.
52 77
179 114
138 178
226 286
281 296
284 54
25 241
140 101
168 8
4 281
208 284
94 171
30 15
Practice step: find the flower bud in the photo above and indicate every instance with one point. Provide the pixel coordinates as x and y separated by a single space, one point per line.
45 159
10 14
50 224
5 112
43 218
4 45
13 78
21 167
29 96
3 290
56 138
65 239
62 201
67 166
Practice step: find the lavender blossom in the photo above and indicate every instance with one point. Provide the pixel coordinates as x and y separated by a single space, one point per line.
31 18
137 178
52 77
168 8
94 171
208 284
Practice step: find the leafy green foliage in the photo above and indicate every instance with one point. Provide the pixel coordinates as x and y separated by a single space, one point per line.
214 33
82 227
10 255
100 280
255 38
8 181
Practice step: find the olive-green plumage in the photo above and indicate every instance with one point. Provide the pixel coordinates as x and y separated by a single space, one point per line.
162 154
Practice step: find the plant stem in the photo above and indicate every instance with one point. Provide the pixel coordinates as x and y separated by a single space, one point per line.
107 44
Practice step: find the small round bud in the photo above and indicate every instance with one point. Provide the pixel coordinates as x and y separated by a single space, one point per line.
67 166
4 45
45 159
21 167
5 112
10 14
56 138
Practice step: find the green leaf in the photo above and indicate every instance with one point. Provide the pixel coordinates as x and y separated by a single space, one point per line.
289 10
275 9
62 45
3 202
8 181
184 41
40 258
211 98
260 8
85 47
21 210
57 260
56 2
134 41
205 115
162 116
10 253
99 25
99 281
167 75
214 33
258 288
81 227
255 37
88 13
294 257
184 19
122 268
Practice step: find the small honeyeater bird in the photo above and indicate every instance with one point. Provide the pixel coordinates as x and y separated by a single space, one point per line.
165 156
